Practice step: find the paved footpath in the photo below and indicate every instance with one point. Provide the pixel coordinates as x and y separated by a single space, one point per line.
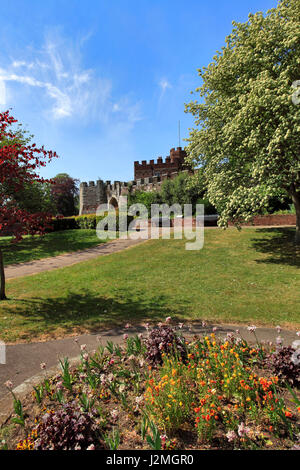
47 264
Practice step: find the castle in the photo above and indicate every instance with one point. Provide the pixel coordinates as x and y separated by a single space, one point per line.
147 177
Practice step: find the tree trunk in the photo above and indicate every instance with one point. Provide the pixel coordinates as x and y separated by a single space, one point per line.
2 278
296 202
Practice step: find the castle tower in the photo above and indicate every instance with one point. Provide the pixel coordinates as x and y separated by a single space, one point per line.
173 163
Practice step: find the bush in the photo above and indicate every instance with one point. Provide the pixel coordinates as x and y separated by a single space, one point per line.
163 339
88 221
281 364
63 224
66 429
209 209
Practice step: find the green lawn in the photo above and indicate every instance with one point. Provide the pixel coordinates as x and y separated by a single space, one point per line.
51 244
250 276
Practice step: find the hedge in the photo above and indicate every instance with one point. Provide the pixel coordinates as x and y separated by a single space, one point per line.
88 221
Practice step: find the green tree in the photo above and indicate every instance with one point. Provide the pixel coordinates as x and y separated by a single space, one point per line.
64 194
247 135
167 191
36 197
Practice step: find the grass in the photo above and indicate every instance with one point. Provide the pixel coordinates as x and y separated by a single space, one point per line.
238 277
51 244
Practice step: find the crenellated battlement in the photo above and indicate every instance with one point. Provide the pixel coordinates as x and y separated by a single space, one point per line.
172 163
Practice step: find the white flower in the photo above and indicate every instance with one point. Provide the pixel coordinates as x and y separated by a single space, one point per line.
139 399
114 413
9 384
251 328
83 347
295 357
231 436
43 365
296 344
243 430
102 379
91 447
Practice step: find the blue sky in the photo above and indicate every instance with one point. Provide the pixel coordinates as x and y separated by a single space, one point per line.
104 82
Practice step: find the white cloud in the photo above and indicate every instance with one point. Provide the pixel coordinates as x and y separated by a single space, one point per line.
68 89
164 84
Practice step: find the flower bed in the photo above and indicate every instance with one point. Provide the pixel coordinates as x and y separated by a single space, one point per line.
165 392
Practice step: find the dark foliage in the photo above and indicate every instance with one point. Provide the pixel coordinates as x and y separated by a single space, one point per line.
282 365
164 339
66 429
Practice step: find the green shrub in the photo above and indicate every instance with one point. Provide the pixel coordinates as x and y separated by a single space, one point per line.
88 221
65 223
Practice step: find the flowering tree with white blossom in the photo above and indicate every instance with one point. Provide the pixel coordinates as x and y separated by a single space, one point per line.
247 135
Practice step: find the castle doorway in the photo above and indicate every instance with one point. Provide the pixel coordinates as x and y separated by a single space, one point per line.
114 202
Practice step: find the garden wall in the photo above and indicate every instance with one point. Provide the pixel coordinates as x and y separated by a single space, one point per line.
272 219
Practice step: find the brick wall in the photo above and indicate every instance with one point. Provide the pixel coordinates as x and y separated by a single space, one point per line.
272 219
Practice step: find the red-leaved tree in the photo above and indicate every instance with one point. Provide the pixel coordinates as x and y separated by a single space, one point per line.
19 162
